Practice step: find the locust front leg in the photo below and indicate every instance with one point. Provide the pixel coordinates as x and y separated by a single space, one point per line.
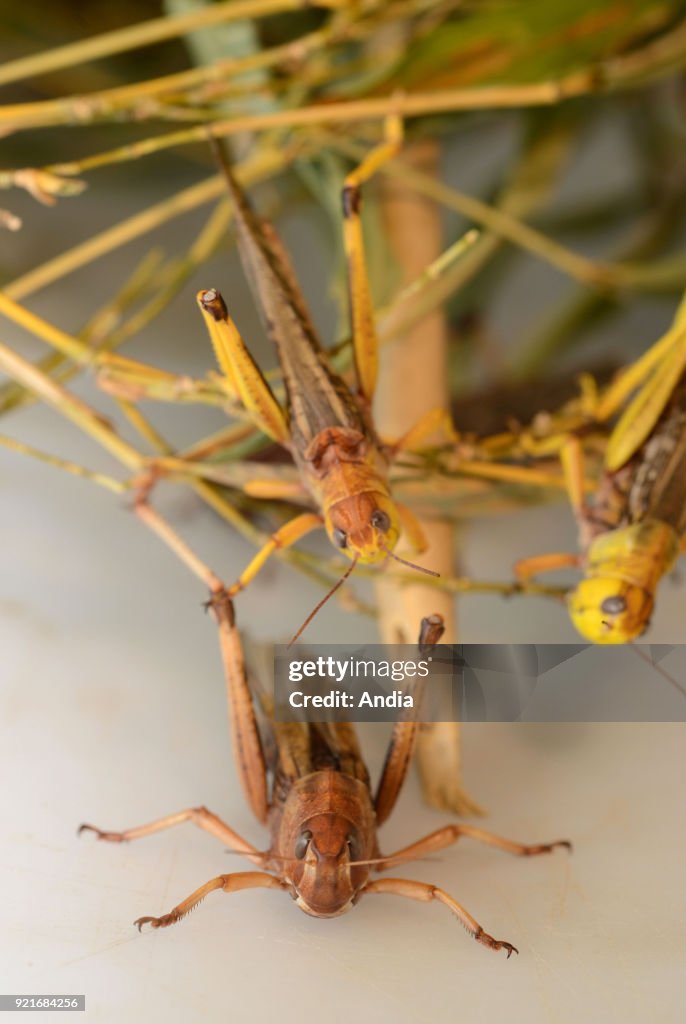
199 816
282 538
225 883
444 837
425 893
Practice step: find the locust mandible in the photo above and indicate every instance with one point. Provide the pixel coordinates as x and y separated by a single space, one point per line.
326 426
320 808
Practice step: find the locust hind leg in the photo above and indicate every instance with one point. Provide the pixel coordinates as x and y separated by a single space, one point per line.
364 334
656 375
227 883
242 376
247 745
403 739
425 893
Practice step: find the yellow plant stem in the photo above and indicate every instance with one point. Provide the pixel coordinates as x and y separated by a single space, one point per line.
74 468
70 406
170 26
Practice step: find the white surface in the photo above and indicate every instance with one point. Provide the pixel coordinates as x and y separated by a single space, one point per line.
112 711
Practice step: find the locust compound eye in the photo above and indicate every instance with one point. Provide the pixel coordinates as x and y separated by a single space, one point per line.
340 538
381 521
301 844
613 605
353 846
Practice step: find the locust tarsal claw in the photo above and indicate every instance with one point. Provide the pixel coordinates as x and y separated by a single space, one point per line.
496 944
110 837
155 922
532 851
220 600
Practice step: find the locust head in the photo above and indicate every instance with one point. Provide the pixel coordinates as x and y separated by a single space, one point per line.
324 876
365 526
606 610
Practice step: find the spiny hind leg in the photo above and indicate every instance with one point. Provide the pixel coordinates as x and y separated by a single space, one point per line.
242 376
671 347
245 733
401 747
425 893
199 816
363 327
227 883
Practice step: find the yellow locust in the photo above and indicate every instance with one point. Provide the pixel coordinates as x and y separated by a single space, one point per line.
632 532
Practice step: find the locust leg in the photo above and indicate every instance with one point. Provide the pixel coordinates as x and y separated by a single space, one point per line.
527 476
365 339
403 738
200 816
658 372
284 537
242 375
563 445
432 422
450 834
412 530
669 349
526 568
571 457
245 735
425 893
227 883
279 490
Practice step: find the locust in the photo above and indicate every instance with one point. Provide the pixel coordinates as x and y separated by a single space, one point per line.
326 425
308 783
632 530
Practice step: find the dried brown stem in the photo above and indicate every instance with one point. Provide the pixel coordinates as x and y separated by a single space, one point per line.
413 380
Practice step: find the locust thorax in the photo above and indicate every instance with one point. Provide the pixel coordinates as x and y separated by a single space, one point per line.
365 526
326 826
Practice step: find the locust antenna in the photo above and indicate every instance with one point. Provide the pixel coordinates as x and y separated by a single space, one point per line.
658 668
323 601
410 565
